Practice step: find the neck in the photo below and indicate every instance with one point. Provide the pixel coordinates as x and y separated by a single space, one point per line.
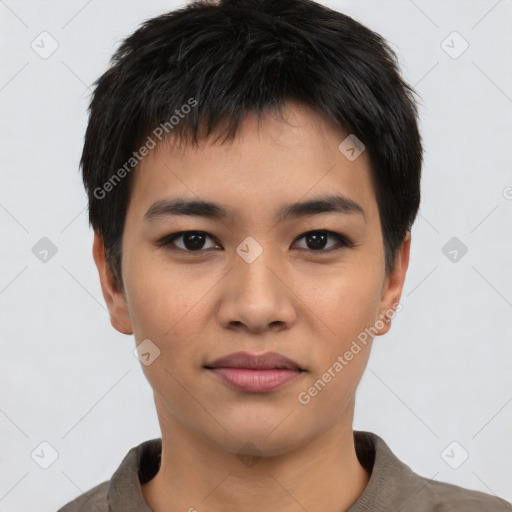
324 475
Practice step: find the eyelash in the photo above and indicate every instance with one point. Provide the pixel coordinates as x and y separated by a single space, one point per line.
168 241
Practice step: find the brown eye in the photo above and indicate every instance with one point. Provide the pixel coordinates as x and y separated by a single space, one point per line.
317 240
189 241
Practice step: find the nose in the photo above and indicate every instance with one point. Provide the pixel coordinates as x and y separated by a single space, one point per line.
257 297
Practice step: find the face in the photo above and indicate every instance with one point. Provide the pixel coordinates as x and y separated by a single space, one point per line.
302 282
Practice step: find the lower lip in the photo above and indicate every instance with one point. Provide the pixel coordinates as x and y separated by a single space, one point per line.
258 381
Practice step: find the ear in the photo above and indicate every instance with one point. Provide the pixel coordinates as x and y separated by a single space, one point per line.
393 285
114 298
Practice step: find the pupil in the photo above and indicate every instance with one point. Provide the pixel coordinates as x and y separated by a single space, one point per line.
193 241
316 240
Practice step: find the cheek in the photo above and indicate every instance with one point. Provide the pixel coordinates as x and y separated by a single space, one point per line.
346 301
169 308
163 301
347 305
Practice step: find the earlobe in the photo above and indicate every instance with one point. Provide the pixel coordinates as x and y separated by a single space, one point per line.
390 302
114 298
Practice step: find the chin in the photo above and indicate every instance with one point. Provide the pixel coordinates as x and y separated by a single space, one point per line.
260 441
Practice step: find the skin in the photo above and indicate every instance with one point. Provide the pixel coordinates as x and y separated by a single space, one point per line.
307 305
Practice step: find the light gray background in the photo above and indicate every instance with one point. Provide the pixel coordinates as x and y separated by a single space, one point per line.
441 375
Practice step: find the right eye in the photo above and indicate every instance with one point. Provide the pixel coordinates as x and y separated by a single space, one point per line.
187 241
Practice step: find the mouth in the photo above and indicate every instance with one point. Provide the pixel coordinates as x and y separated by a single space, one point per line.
265 361
255 372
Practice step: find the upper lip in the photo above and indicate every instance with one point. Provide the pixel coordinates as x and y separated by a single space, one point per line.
265 361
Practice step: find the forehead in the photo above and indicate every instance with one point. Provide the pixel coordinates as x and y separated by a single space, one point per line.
270 162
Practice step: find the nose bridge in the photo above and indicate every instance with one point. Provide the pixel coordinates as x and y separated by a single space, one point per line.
257 283
257 295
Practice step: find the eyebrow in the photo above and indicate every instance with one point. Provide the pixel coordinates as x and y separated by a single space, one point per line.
207 209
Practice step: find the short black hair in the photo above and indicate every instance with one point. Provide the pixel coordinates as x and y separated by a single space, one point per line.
201 69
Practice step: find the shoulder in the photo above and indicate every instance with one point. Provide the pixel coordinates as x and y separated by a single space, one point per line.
394 486
444 497
123 490
94 500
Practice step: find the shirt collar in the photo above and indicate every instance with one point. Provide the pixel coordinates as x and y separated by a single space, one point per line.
388 475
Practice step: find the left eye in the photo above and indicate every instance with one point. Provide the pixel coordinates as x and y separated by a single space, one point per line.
317 240
194 241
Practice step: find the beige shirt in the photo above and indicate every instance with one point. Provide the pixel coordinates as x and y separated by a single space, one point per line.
392 487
